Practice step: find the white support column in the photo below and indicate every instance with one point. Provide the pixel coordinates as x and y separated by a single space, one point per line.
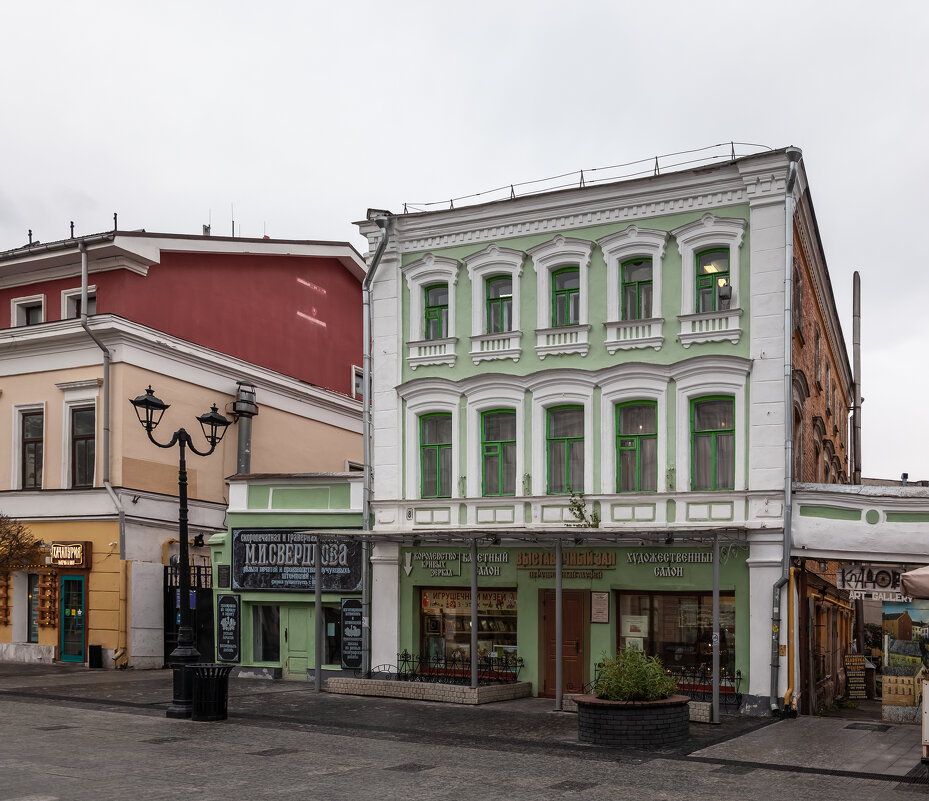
385 620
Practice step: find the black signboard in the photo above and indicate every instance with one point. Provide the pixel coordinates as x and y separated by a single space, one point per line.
351 634
227 628
285 559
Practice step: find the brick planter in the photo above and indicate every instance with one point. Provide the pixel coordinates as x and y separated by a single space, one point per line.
644 725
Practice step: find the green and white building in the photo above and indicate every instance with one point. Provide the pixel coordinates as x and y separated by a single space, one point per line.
624 342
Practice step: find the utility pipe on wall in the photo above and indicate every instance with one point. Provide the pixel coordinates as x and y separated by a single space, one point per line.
794 155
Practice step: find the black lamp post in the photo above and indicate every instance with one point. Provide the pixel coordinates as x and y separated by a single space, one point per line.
149 409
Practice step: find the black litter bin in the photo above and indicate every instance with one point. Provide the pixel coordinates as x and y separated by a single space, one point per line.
210 691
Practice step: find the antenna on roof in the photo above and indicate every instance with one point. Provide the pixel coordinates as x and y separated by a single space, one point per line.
115 222
30 236
232 213
72 229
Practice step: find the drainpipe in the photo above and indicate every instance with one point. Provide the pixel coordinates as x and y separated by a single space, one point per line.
794 155
246 408
121 652
382 223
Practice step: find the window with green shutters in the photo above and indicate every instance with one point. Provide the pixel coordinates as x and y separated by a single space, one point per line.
565 449
712 427
498 452
637 289
566 296
499 304
636 447
712 277
436 312
435 438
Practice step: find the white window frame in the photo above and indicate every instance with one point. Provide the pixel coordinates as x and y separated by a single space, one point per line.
548 257
18 308
16 473
435 399
708 233
697 379
632 383
419 274
77 395
623 246
496 395
356 372
69 298
488 263
563 388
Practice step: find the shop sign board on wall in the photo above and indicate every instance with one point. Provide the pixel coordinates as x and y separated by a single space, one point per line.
351 633
285 560
877 582
228 628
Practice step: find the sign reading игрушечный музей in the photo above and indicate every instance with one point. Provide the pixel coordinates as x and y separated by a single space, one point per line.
285 560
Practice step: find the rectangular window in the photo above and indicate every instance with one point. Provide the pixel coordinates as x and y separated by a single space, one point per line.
636 447
357 382
445 626
435 437
498 448
499 304
436 320
565 445
712 428
83 441
713 289
32 609
266 633
32 439
566 296
637 289
678 627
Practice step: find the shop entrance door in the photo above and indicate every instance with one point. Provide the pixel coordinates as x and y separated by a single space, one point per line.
575 604
72 619
296 656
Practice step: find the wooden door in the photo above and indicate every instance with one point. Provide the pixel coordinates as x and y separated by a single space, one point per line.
574 645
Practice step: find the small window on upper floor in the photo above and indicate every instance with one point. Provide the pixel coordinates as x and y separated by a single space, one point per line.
499 304
31 447
83 446
565 449
713 443
357 382
636 447
435 321
71 302
714 291
435 449
566 296
637 289
27 311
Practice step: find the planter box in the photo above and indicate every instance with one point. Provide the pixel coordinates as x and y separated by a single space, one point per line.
643 725
422 691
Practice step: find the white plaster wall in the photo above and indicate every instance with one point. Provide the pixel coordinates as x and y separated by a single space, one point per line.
385 591
146 615
387 338
764 569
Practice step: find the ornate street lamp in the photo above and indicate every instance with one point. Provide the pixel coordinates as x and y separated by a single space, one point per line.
150 409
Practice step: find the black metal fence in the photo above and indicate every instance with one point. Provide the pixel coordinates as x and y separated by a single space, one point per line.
696 682
451 669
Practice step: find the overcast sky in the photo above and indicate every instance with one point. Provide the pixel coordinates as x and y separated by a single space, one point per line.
299 116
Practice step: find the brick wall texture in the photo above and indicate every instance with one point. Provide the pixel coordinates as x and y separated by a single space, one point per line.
644 726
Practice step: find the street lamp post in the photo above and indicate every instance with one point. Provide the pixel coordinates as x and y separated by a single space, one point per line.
149 410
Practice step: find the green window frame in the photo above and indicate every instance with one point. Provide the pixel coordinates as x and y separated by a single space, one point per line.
566 296
436 311
637 446
435 454
712 443
564 435
498 452
499 298
637 288
712 275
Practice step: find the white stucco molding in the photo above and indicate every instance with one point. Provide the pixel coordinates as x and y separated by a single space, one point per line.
630 243
428 396
490 262
710 375
419 274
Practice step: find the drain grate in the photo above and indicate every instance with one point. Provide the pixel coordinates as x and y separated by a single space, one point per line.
569 785
868 726
274 752
162 740
411 767
60 727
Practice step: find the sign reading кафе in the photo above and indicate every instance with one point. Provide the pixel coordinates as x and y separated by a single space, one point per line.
285 560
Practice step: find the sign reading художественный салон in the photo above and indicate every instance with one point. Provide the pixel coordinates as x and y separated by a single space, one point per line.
285 560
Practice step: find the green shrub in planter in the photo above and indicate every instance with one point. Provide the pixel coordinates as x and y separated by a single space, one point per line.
633 676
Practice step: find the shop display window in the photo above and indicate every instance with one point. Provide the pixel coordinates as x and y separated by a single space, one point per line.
678 628
266 633
445 625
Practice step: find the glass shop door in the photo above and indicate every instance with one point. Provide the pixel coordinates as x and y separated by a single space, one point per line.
73 618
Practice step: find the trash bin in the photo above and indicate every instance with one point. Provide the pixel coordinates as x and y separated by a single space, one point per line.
210 691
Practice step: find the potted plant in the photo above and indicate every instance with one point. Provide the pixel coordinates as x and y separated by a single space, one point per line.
634 703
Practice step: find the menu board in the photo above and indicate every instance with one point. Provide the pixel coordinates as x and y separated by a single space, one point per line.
854 676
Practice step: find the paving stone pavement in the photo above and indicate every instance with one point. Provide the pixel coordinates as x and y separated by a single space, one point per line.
72 734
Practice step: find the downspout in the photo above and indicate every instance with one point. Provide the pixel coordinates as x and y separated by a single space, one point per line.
121 650
382 223
791 633
794 155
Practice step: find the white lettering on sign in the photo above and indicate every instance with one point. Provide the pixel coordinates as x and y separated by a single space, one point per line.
668 557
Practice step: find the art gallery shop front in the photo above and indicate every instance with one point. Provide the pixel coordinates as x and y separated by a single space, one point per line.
655 599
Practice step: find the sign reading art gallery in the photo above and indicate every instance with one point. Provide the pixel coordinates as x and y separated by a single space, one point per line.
285 560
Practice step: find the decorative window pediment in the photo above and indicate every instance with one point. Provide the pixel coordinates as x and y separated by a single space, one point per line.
720 322
420 275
